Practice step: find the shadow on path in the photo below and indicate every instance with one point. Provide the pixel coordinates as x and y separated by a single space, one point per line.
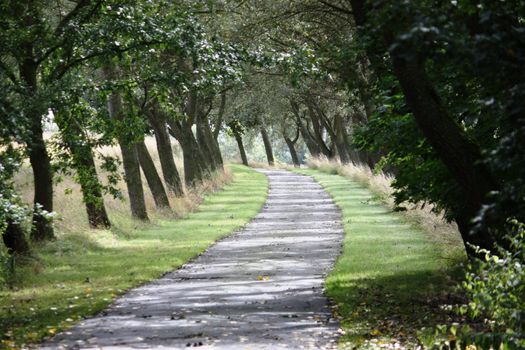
261 288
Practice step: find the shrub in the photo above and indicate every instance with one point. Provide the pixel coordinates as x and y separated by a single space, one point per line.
494 288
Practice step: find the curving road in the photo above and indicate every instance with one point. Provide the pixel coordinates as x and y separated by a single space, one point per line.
261 288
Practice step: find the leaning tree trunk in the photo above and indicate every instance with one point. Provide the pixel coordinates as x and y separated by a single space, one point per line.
167 162
42 228
213 144
459 154
84 165
293 152
91 189
195 169
130 157
312 146
240 144
341 140
152 176
267 146
318 133
15 239
205 143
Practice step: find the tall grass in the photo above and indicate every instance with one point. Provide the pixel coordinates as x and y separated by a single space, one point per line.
71 213
83 270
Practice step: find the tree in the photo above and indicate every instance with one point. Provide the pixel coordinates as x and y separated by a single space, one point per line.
443 112
41 45
79 156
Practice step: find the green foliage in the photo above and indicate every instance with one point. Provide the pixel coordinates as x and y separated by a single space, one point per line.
495 289
11 208
473 53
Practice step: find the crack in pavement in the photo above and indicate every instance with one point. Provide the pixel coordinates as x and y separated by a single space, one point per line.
260 288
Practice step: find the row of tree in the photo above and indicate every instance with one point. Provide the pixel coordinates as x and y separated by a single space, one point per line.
430 91
106 72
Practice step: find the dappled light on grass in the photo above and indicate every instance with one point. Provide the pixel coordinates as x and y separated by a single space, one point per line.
390 273
79 274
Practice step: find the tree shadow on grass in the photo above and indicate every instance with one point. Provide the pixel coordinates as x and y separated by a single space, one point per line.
396 306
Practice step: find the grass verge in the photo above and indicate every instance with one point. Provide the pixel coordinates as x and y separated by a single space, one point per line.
79 274
391 277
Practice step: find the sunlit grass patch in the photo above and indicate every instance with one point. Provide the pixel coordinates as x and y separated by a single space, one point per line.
391 273
80 273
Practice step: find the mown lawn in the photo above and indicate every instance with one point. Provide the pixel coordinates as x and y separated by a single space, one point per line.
391 276
80 274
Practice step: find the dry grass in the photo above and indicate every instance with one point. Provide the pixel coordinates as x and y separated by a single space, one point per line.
265 165
72 217
445 234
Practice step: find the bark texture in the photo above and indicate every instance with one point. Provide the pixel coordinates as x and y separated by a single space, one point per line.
267 146
167 162
42 228
152 176
195 169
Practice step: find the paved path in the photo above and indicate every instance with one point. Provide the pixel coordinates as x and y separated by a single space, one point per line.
258 289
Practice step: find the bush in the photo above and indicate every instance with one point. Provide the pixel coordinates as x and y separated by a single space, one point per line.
7 268
495 289
495 292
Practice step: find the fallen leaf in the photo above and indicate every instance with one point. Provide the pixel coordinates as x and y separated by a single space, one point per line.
375 332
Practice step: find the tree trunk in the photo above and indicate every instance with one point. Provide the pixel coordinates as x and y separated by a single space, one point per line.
318 133
84 165
195 169
220 116
293 152
204 140
15 239
312 146
341 140
167 162
238 138
267 146
213 145
152 176
130 158
459 154
42 228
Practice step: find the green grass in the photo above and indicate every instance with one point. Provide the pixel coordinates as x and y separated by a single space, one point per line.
391 276
80 274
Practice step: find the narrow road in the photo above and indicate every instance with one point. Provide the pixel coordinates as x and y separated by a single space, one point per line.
261 288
